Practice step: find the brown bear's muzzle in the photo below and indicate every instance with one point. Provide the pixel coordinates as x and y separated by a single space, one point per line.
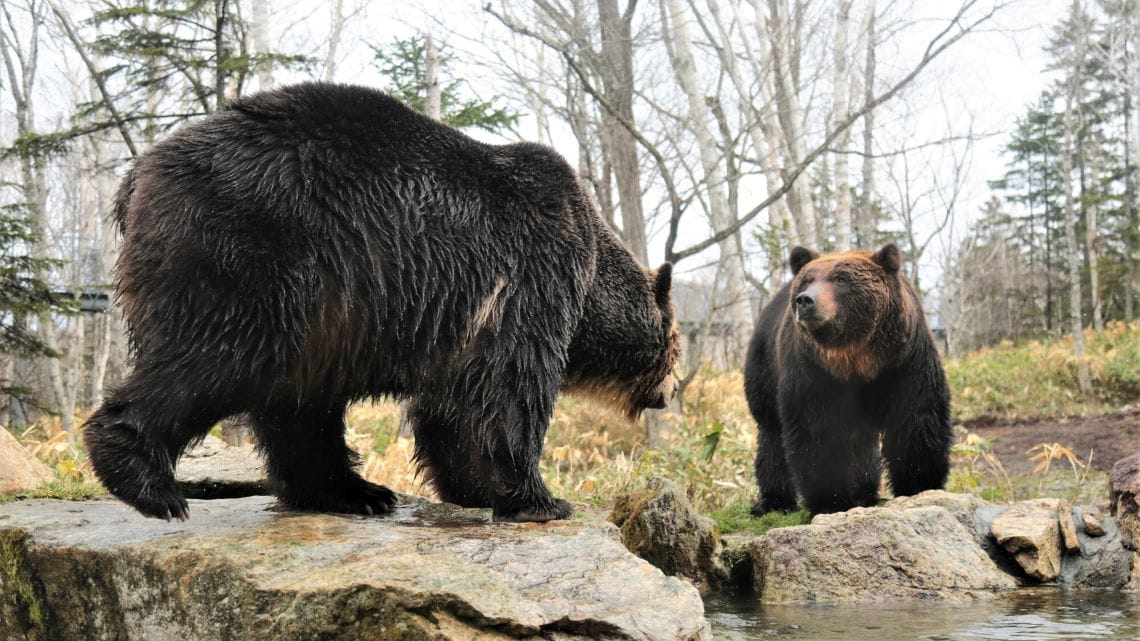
813 307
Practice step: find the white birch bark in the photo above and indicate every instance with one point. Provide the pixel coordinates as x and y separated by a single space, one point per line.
1076 327
433 104
841 88
261 43
673 21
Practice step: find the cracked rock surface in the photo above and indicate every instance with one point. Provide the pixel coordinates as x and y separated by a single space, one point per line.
242 569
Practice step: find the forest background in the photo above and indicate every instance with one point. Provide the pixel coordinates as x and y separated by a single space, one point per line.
994 142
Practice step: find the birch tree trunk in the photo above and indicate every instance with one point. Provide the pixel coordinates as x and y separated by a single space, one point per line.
617 84
433 103
1091 246
336 32
790 115
261 43
841 88
679 47
865 223
1083 377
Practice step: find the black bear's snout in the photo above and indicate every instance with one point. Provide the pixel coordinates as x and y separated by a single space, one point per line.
804 302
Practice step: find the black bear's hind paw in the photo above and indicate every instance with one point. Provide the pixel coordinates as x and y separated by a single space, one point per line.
167 505
552 510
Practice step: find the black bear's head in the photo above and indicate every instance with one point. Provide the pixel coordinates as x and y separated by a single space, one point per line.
627 342
838 301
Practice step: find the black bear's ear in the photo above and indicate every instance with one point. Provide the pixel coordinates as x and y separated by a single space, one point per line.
663 284
800 257
888 258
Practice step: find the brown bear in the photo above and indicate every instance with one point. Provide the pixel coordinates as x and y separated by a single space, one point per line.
840 357
308 247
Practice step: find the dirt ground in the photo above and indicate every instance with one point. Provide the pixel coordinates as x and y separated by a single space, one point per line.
1108 437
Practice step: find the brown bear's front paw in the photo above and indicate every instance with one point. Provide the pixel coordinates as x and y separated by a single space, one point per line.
551 510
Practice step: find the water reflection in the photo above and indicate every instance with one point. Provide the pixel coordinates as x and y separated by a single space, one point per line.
1038 614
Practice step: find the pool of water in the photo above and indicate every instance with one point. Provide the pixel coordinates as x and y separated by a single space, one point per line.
1037 614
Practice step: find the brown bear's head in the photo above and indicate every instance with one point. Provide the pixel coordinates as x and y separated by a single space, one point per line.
627 343
839 301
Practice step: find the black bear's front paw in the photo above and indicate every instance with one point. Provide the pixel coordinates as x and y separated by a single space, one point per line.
363 497
549 510
764 506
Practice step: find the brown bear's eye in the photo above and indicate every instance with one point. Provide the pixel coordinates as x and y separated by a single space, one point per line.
841 279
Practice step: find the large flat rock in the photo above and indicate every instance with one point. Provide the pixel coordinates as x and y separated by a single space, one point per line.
241 569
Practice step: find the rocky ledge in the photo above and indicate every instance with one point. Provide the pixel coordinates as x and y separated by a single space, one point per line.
933 546
243 569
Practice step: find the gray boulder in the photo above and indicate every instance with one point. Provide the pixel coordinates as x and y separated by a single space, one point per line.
869 554
243 569
658 524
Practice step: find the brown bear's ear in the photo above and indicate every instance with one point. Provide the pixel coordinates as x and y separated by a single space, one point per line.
888 258
663 284
800 257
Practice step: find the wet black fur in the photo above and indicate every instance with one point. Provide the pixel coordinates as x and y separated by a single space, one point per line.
819 436
319 244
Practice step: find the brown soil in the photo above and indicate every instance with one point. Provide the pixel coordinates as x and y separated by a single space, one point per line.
1107 437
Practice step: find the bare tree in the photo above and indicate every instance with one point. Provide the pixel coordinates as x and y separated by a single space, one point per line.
1076 327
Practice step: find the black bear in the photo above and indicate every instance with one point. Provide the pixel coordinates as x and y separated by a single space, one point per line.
319 244
840 357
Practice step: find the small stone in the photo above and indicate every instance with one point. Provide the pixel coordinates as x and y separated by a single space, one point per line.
1068 528
1030 532
1091 522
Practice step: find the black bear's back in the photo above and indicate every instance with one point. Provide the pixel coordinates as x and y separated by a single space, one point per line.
374 234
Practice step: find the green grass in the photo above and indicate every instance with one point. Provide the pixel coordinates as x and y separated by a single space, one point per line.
59 489
1039 377
736 519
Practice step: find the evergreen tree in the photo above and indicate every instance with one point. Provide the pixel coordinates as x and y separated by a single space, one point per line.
23 294
405 65
175 59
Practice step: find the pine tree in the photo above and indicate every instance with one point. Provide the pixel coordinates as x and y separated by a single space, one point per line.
405 64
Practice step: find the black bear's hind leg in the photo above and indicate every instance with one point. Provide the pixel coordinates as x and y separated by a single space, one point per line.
776 491
310 466
135 437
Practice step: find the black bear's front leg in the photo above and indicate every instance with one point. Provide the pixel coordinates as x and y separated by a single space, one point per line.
772 475
918 434
822 456
310 466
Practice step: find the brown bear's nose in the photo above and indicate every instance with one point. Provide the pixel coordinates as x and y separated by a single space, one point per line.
804 302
